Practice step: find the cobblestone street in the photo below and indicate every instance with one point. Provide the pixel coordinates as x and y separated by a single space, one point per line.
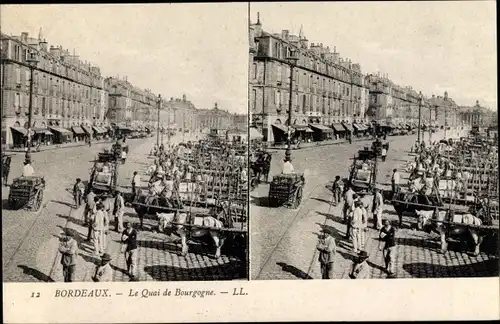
30 240
283 241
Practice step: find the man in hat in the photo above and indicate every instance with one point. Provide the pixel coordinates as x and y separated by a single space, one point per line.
388 236
357 225
395 182
69 252
288 167
338 187
99 226
119 210
136 181
360 269
90 206
28 170
78 192
129 241
327 250
377 208
104 272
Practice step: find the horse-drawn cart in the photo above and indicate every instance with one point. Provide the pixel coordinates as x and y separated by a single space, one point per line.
27 193
286 190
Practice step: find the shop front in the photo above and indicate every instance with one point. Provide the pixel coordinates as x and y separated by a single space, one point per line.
321 132
61 135
339 131
302 133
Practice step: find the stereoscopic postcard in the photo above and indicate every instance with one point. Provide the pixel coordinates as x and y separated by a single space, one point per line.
196 162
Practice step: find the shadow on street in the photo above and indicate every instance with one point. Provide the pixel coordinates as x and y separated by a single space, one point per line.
35 274
294 271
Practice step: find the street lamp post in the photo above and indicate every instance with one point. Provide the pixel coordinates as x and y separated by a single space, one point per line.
419 115
32 62
292 60
158 123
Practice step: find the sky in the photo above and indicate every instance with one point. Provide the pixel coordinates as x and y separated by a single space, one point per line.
431 46
200 50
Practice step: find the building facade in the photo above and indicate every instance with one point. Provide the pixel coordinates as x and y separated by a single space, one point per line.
66 90
326 88
215 118
476 115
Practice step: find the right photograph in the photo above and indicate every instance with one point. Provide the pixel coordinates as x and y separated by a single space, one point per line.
373 140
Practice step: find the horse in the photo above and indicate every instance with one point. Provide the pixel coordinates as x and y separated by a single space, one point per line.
430 220
165 225
409 201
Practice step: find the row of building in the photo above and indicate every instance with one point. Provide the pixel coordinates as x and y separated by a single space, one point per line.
69 93
328 90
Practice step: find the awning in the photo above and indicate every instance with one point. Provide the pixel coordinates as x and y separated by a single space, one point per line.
358 127
20 130
338 128
39 130
87 129
347 127
48 133
322 128
61 130
301 127
281 127
98 130
255 134
78 130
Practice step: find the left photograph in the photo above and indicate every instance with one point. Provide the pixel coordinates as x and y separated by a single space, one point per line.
124 142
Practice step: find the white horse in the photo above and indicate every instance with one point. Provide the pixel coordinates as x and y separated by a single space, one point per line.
429 220
166 220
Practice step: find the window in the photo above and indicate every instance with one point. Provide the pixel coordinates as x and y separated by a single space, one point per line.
278 99
44 109
17 102
255 71
278 72
18 75
347 88
304 104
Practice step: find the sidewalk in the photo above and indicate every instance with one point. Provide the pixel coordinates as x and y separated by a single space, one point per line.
61 146
321 143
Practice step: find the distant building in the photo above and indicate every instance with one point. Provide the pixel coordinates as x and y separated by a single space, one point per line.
67 92
477 116
326 89
181 115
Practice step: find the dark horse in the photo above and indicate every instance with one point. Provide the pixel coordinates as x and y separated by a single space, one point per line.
411 202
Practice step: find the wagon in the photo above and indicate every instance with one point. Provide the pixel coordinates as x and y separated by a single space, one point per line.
286 190
27 193
103 177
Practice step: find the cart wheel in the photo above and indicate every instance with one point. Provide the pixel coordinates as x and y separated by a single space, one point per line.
298 197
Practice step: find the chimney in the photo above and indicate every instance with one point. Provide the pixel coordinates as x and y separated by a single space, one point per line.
24 37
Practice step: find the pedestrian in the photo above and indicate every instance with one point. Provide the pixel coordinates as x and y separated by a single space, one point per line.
348 201
136 181
364 227
384 153
360 269
69 252
123 156
395 182
78 192
89 207
357 227
119 210
388 236
337 188
377 208
104 272
98 229
327 250
91 217
28 170
129 247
